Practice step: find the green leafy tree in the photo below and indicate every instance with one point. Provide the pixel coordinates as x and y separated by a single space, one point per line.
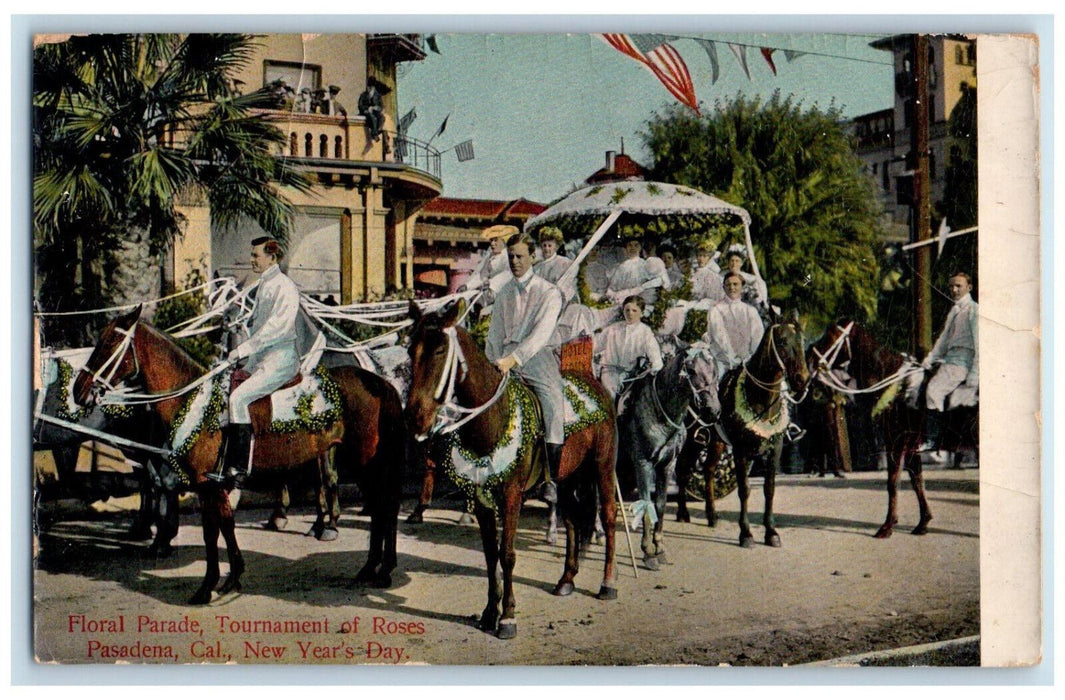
125 127
814 212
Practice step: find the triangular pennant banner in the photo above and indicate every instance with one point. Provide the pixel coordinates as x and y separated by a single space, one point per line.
790 55
741 55
767 54
711 51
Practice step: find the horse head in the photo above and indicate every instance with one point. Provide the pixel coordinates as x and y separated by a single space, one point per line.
789 347
432 351
701 371
112 361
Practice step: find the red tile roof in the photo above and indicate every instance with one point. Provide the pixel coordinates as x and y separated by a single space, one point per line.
624 169
487 209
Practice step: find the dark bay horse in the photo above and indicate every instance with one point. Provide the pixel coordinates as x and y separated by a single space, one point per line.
368 434
450 370
847 346
755 415
652 430
156 484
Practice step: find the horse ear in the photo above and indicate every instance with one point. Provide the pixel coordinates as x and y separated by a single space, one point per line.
132 317
454 312
796 319
414 312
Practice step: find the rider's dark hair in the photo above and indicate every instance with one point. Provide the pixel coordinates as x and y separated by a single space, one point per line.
730 273
270 245
634 299
965 275
525 238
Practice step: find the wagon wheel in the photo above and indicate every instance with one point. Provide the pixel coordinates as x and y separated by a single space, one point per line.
724 480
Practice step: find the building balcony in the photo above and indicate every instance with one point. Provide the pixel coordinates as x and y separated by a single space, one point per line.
397 47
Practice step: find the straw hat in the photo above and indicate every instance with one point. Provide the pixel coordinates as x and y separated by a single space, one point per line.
499 231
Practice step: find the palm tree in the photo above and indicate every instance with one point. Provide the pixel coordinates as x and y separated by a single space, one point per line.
125 127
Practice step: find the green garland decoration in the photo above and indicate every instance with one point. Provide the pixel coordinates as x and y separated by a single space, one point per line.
584 293
117 411
587 416
517 393
305 420
665 300
208 421
762 427
886 398
66 373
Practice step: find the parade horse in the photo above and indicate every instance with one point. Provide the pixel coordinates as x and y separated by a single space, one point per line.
496 452
156 484
652 430
848 347
755 398
368 434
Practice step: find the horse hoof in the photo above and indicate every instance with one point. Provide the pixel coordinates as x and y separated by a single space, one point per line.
772 540
202 597
276 524
230 585
507 630
329 534
563 589
746 541
883 533
550 537
683 517
382 581
921 529
415 518
651 563
607 593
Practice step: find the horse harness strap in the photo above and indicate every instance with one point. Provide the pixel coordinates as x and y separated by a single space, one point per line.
455 365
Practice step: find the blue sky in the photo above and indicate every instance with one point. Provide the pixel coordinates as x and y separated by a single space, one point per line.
543 108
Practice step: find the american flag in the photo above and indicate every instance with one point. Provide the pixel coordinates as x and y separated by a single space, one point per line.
654 52
464 151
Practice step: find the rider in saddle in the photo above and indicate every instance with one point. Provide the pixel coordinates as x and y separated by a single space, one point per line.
733 327
271 355
623 345
522 338
955 358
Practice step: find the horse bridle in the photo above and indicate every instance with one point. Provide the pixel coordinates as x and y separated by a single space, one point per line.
694 412
827 361
781 384
455 371
113 362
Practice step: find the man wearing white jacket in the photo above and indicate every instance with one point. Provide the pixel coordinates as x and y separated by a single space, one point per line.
733 327
271 355
522 338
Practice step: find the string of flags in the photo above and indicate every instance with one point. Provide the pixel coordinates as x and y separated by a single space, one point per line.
657 54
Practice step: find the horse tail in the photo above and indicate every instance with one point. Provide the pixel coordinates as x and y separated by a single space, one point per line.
578 502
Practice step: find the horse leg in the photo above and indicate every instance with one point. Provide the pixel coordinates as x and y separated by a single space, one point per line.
661 480
645 479
486 521
236 558
279 518
608 513
368 572
142 524
512 495
769 488
715 453
551 535
743 489
685 460
211 517
917 481
895 458
328 497
426 496
565 584
166 525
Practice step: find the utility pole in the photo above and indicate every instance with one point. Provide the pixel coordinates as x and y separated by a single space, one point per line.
922 206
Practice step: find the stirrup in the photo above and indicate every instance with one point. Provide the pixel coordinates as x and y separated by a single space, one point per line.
794 433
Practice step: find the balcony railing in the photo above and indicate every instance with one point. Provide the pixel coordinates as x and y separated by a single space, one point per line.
417 154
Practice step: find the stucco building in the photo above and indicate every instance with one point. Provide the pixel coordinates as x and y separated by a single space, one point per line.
353 235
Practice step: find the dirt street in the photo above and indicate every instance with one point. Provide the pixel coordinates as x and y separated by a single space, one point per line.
832 589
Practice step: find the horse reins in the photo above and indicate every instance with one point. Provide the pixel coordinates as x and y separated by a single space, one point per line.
455 364
779 385
828 359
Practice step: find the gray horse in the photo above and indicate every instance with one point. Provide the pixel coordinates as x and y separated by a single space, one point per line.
652 430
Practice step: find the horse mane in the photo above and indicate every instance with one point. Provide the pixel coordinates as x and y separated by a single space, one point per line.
183 361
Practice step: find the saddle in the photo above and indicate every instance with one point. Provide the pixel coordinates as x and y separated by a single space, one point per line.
261 410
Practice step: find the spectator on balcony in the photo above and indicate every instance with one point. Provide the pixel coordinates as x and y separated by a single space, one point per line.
318 102
372 109
303 103
333 106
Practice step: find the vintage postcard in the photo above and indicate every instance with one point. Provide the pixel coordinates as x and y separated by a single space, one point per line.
645 349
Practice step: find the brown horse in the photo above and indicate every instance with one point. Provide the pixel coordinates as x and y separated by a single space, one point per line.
754 413
368 432
849 347
444 355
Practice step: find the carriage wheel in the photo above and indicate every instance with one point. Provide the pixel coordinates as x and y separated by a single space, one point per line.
724 480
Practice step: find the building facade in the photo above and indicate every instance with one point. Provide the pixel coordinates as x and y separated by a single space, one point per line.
883 137
353 234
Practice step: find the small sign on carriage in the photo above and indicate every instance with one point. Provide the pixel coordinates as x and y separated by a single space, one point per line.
577 355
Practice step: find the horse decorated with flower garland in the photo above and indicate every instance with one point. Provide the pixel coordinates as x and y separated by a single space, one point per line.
755 413
495 451
352 410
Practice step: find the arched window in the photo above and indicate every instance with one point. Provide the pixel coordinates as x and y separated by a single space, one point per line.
308 145
323 146
338 147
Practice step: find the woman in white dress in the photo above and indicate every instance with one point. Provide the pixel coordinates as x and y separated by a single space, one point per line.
621 345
